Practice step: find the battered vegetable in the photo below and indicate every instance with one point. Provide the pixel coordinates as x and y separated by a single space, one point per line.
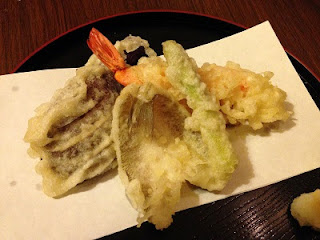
244 97
166 127
147 129
213 158
71 133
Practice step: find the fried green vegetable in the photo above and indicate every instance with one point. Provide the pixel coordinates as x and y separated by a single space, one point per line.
159 144
147 129
213 160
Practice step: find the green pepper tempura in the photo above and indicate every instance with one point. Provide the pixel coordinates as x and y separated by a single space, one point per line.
213 158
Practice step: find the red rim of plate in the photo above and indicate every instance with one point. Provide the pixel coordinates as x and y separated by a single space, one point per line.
147 11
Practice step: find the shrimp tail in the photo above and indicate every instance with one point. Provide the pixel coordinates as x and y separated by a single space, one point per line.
105 51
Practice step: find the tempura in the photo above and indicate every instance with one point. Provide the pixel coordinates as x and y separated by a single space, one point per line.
71 133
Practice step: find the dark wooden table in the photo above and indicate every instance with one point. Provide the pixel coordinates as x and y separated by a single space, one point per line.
28 24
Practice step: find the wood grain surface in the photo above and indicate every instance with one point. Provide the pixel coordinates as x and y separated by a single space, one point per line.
28 24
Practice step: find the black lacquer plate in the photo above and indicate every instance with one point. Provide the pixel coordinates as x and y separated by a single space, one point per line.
259 214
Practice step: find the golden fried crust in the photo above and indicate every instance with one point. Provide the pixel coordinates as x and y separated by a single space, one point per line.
147 129
71 133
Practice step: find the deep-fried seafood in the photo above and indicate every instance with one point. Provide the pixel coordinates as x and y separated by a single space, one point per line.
168 124
159 145
244 97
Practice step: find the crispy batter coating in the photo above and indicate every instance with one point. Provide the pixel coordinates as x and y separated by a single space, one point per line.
245 97
213 159
71 133
147 129
158 143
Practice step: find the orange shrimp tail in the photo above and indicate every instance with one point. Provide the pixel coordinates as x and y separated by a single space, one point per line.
105 51
127 76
